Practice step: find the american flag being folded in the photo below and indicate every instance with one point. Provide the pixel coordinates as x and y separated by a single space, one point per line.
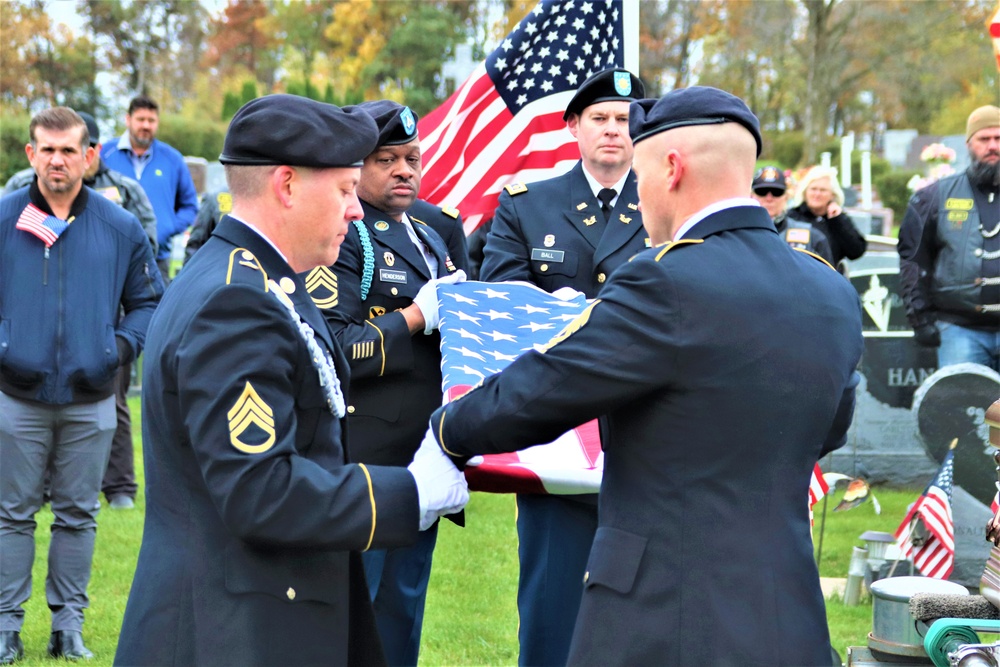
484 327
37 222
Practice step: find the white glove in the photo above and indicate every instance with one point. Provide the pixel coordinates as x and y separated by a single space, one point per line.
441 487
566 293
427 300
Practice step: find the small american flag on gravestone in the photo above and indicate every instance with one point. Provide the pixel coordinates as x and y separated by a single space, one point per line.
505 123
38 223
935 555
484 327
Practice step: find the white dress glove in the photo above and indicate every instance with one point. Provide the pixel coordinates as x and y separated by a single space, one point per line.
441 487
566 293
427 300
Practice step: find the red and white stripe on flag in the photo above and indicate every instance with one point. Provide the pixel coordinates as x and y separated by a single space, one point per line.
505 123
817 486
993 25
935 557
32 220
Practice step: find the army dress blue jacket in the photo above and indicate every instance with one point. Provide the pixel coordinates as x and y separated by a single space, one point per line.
447 222
551 234
254 516
725 367
395 376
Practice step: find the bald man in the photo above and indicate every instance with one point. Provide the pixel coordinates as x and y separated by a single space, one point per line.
731 373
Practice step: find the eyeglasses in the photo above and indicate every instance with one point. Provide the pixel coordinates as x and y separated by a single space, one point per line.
763 192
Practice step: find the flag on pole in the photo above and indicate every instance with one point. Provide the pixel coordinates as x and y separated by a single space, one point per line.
484 327
934 555
504 123
38 223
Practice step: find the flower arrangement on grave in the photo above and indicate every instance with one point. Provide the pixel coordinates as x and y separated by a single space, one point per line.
938 159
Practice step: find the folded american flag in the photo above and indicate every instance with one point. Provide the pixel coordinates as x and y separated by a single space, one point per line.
37 222
484 327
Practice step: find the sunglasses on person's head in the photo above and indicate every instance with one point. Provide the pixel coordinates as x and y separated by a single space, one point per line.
763 192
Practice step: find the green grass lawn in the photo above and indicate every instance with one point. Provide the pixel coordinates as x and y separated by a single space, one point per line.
471 616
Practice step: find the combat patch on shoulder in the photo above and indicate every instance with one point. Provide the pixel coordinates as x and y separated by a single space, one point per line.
515 188
225 202
812 254
673 244
245 258
321 283
571 328
452 212
251 423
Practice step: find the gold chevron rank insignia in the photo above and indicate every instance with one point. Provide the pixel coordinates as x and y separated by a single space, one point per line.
321 283
251 419
570 329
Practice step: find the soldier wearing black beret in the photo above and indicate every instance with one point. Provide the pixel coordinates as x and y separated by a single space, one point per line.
721 365
254 516
571 231
376 298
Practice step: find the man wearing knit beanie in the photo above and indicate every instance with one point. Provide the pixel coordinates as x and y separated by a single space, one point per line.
949 252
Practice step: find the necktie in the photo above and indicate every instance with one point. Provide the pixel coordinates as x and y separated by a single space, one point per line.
606 195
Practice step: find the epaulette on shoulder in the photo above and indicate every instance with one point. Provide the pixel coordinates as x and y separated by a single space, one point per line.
450 212
673 244
515 188
812 254
251 272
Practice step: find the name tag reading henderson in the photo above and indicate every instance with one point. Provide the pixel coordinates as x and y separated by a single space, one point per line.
389 276
546 255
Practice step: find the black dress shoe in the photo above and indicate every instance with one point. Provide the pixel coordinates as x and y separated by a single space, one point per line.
11 648
68 644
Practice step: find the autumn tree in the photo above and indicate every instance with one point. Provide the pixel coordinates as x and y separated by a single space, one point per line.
243 41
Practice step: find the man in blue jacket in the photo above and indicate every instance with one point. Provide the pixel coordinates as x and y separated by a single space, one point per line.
69 258
161 171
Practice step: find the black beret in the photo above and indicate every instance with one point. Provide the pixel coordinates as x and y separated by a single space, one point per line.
769 177
396 124
299 132
92 130
610 85
697 105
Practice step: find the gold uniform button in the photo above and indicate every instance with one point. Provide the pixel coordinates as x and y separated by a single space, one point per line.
601 278
544 267
586 576
247 255
350 409
394 291
287 285
290 593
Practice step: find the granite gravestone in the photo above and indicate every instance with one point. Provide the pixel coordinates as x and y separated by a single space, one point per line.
951 404
883 445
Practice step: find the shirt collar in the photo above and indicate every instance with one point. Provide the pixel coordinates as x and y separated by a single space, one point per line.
125 144
721 205
596 187
260 234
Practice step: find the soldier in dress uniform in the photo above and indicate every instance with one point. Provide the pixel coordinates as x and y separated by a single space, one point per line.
380 300
447 222
722 366
771 190
568 231
254 516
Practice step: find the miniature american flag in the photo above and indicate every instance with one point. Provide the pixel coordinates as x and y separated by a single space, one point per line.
504 124
935 557
39 223
484 327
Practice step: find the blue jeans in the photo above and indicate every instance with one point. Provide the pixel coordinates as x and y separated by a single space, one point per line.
960 345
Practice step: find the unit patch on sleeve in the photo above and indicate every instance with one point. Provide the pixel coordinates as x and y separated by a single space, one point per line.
251 423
